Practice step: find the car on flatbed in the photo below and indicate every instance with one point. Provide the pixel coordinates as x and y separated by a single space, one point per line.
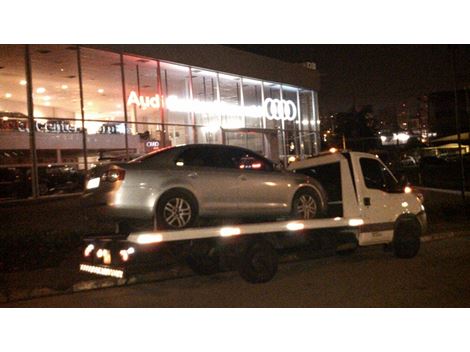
178 186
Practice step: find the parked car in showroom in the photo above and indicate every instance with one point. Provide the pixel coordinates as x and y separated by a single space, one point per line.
178 186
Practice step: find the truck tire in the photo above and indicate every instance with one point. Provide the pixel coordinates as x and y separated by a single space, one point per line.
176 210
258 262
406 239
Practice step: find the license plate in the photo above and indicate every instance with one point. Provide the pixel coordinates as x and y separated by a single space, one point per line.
98 270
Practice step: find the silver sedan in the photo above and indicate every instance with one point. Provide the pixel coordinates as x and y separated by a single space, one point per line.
178 186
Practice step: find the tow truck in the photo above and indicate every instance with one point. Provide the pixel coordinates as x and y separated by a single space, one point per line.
366 206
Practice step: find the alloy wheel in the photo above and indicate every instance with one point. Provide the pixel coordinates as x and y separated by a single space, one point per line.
306 207
177 212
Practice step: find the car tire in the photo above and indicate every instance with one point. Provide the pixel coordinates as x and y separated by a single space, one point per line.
308 204
258 262
176 210
406 239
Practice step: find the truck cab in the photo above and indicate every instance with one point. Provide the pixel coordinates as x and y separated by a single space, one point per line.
359 185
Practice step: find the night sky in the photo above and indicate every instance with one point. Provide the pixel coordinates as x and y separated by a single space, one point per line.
379 75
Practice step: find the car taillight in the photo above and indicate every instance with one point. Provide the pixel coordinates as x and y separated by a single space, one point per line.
113 175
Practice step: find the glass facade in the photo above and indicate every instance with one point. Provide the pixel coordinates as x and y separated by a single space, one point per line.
65 108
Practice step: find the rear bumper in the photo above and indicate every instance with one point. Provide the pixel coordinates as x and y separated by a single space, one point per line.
99 204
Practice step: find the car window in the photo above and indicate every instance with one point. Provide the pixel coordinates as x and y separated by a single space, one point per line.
223 157
246 160
376 176
205 156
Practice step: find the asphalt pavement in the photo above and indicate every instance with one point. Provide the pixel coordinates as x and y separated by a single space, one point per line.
438 277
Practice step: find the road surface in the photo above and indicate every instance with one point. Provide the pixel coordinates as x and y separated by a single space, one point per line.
438 277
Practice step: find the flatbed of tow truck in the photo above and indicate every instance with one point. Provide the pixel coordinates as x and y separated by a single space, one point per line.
361 212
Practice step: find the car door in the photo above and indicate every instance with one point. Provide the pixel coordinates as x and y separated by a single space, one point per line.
381 200
213 182
263 190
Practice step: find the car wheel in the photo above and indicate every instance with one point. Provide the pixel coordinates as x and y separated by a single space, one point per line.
258 262
306 205
176 210
406 240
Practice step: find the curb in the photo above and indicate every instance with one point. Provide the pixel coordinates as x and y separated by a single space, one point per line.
445 235
173 273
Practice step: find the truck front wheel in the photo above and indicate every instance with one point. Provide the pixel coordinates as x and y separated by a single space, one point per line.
406 240
258 262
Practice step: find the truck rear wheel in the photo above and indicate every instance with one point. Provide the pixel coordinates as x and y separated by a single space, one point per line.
406 240
258 262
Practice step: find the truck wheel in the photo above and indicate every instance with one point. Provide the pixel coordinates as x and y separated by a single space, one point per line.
176 210
307 204
406 240
258 262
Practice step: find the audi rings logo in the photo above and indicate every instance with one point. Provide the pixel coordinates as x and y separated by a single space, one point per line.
277 109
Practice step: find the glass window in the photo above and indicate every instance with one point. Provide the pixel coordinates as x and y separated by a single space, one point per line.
252 98
306 118
142 90
376 176
102 88
273 91
13 80
15 154
57 123
56 92
108 143
230 102
175 82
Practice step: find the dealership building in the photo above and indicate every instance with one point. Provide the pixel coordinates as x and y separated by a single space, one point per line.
65 108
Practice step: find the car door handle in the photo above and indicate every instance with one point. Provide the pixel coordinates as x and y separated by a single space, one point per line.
367 201
193 175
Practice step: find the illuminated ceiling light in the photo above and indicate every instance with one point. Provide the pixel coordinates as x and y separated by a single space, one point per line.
23 82
8 95
41 90
64 86
61 70
101 90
